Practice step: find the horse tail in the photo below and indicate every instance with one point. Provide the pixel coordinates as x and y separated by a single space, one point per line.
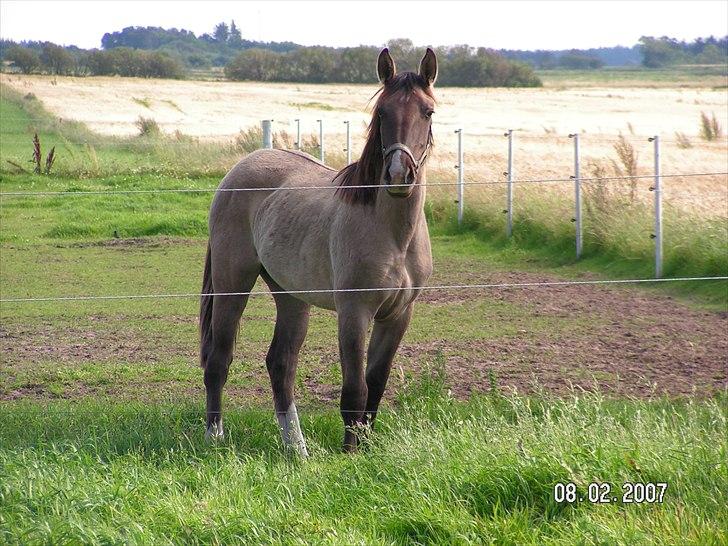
206 310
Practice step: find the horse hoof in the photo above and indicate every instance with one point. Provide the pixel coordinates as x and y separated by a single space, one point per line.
214 432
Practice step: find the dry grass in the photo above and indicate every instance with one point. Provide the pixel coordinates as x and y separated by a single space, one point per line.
710 128
614 124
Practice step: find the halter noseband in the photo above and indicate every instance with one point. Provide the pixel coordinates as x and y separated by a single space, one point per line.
404 148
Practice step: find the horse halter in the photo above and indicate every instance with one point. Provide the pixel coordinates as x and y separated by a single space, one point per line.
404 148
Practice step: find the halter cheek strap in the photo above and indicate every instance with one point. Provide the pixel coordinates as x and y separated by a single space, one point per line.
403 148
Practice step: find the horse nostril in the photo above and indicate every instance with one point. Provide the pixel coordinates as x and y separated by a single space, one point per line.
409 177
387 176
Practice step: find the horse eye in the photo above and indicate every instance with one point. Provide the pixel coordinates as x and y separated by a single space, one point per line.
429 113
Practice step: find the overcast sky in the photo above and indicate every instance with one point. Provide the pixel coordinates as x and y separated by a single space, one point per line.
497 24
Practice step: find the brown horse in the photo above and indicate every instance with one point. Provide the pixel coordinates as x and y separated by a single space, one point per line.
365 229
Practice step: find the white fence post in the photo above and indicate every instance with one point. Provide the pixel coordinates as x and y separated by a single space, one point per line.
321 139
298 134
657 188
509 186
577 196
459 167
266 125
348 143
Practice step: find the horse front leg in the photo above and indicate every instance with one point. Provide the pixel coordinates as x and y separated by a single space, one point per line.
386 337
353 324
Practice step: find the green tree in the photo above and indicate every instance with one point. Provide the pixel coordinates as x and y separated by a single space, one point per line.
658 52
161 65
711 54
404 53
221 33
357 65
235 39
101 63
253 64
26 60
56 59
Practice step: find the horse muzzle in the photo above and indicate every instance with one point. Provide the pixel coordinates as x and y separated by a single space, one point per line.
399 175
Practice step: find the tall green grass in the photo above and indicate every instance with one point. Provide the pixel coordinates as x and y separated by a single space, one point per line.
436 471
616 236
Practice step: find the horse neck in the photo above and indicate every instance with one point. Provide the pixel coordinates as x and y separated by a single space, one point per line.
401 217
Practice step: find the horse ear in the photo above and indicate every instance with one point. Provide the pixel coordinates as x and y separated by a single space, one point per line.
385 66
428 66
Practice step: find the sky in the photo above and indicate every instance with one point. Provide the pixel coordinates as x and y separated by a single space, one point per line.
520 24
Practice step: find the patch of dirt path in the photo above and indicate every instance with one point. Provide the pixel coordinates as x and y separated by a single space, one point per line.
636 343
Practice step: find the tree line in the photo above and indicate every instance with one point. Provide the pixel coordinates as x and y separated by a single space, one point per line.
49 58
458 66
665 51
172 53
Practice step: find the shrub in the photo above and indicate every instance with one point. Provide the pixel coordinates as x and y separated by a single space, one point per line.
148 127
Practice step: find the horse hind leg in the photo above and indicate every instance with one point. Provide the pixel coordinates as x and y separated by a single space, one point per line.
218 329
290 331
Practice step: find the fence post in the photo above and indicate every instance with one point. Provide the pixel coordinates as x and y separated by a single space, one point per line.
459 167
348 143
577 196
321 139
298 134
266 124
509 186
657 188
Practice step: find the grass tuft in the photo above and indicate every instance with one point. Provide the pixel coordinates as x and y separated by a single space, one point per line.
710 128
148 127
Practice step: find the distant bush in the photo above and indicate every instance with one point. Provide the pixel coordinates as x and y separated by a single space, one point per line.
26 60
577 61
148 127
254 64
121 61
124 61
485 68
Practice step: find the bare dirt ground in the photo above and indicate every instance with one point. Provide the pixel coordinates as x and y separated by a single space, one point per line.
620 341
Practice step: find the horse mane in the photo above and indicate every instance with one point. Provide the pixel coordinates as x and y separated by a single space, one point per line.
367 170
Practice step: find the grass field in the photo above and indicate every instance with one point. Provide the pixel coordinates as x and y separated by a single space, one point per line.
496 395
701 76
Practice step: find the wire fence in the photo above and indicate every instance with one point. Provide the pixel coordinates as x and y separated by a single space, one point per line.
365 289
596 137
509 182
74 193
